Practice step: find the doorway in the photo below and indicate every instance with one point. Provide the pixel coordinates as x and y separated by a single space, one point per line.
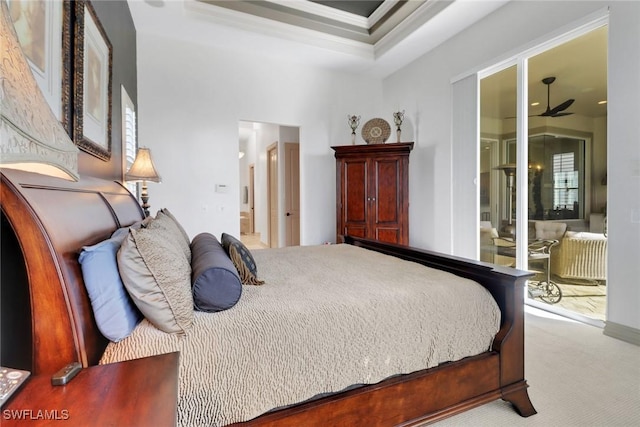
270 184
550 170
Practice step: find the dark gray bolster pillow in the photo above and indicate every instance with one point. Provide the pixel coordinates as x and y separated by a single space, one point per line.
215 282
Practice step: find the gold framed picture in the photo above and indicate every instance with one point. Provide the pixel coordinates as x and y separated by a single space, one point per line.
92 83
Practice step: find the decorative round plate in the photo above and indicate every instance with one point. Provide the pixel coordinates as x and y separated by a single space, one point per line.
376 131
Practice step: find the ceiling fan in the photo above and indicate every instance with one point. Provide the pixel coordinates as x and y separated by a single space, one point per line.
558 110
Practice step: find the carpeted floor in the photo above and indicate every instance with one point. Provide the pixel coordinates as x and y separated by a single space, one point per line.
577 377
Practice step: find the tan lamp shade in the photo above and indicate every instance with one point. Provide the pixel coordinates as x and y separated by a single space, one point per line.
143 168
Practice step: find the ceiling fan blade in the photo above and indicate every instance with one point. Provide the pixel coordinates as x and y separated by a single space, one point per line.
552 112
556 111
566 104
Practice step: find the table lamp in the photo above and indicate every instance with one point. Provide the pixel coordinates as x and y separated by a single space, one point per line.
143 170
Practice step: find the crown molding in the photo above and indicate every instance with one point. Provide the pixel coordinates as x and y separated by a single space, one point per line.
199 9
424 13
282 17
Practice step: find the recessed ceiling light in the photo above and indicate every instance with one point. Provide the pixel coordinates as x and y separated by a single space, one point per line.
602 102
533 104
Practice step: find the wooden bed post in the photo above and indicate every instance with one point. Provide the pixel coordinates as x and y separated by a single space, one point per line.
513 385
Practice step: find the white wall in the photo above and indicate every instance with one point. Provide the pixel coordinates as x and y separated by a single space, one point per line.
424 89
623 186
191 99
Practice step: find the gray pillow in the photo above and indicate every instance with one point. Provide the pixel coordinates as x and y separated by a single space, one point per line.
157 275
170 215
215 282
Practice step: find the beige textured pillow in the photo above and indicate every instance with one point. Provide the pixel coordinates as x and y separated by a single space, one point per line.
180 227
158 278
165 222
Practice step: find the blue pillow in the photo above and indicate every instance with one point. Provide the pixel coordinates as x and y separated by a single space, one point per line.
215 281
113 309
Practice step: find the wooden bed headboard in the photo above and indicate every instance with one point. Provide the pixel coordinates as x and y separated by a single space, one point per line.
51 220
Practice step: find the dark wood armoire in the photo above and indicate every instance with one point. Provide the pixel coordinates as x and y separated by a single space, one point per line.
372 191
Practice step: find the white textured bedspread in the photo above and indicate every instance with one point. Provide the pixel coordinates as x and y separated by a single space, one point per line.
327 317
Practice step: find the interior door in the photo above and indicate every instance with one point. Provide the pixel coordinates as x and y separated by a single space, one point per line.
292 193
252 200
272 188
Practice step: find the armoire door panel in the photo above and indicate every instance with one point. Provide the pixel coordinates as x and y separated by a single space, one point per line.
355 192
388 191
388 235
355 230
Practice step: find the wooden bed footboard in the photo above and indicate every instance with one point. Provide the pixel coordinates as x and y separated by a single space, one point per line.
47 316
507 286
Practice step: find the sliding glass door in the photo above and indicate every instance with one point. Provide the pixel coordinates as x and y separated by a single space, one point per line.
542 170
498 213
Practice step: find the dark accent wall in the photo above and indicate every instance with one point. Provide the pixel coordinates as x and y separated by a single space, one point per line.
117 22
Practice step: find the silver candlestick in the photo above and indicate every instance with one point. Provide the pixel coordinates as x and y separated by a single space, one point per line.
398 117
353 121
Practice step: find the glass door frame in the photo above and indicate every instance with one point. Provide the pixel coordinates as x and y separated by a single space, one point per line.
521 61
522 137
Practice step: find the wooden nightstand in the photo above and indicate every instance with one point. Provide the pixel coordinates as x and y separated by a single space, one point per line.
138 392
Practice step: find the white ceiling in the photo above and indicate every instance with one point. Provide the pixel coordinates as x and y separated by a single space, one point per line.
390 38
430 23
580 68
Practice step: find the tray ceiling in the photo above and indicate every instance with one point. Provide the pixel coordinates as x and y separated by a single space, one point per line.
372 37
377 37
362 21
